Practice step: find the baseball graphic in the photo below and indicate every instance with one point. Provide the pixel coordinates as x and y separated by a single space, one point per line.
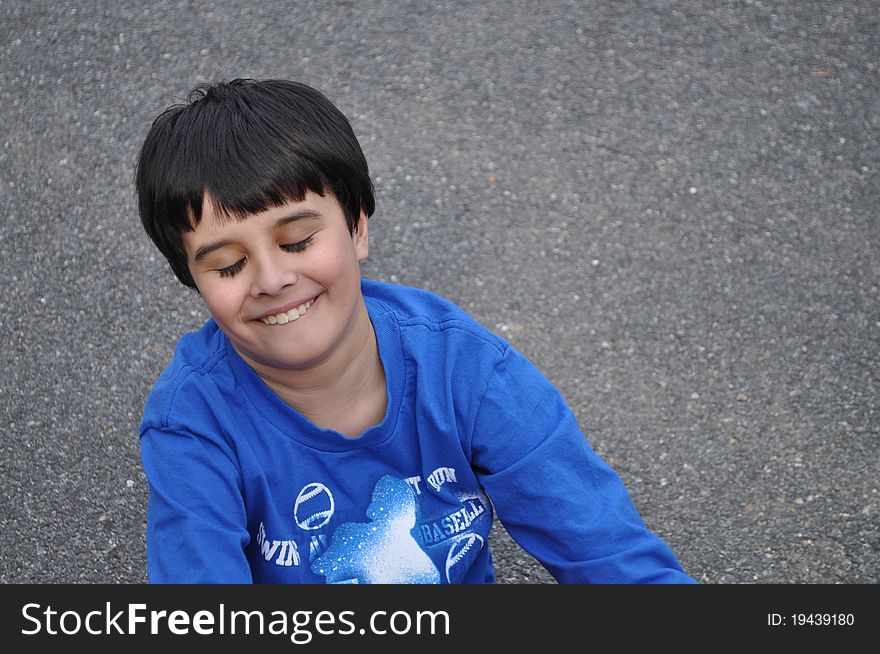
461 554
314 506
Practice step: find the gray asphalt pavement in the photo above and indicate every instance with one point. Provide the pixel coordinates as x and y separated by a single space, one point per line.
670 207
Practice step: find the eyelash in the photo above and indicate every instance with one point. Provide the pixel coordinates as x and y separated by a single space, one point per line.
234 269
231 271
298 247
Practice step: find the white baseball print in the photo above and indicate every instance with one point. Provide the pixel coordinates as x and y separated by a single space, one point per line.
314 506
463 548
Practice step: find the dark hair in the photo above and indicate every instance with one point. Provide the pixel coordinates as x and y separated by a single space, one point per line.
250 145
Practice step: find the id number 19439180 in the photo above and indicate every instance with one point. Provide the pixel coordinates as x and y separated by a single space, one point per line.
811 620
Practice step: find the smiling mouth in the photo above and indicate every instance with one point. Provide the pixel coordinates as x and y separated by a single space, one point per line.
289 316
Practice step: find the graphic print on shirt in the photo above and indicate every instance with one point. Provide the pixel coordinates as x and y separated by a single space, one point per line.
312 510
284 552
415 530
314 506
382 551
461 555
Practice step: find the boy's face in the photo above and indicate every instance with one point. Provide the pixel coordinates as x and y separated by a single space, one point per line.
283 284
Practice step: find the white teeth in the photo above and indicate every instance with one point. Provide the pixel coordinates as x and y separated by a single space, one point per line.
289 316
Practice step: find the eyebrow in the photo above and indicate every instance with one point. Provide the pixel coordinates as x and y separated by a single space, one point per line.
299 214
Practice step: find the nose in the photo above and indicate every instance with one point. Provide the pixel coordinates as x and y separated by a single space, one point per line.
273 273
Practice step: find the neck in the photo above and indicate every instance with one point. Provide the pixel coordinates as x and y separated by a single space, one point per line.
345 392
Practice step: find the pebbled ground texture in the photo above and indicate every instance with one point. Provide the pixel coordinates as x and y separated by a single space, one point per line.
670 207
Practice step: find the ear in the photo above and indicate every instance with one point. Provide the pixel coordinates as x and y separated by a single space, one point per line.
361 238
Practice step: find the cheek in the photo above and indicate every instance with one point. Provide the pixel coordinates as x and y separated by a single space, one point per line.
337 268
222 300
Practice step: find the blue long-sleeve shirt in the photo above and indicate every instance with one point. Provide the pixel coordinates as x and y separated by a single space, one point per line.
243 488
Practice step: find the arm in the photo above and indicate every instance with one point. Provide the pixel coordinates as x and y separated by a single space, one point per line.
196 519
556 497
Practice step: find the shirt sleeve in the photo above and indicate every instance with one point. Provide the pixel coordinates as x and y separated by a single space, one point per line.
196 518
556 497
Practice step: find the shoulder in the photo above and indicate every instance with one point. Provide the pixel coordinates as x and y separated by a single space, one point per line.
421 314
192 380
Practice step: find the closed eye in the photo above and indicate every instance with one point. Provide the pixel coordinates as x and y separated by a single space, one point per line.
234 269
298 247
231 271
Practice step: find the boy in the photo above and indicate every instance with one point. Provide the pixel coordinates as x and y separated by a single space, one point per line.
321 428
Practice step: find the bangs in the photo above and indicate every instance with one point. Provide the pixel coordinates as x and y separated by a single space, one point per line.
235 195
239 162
